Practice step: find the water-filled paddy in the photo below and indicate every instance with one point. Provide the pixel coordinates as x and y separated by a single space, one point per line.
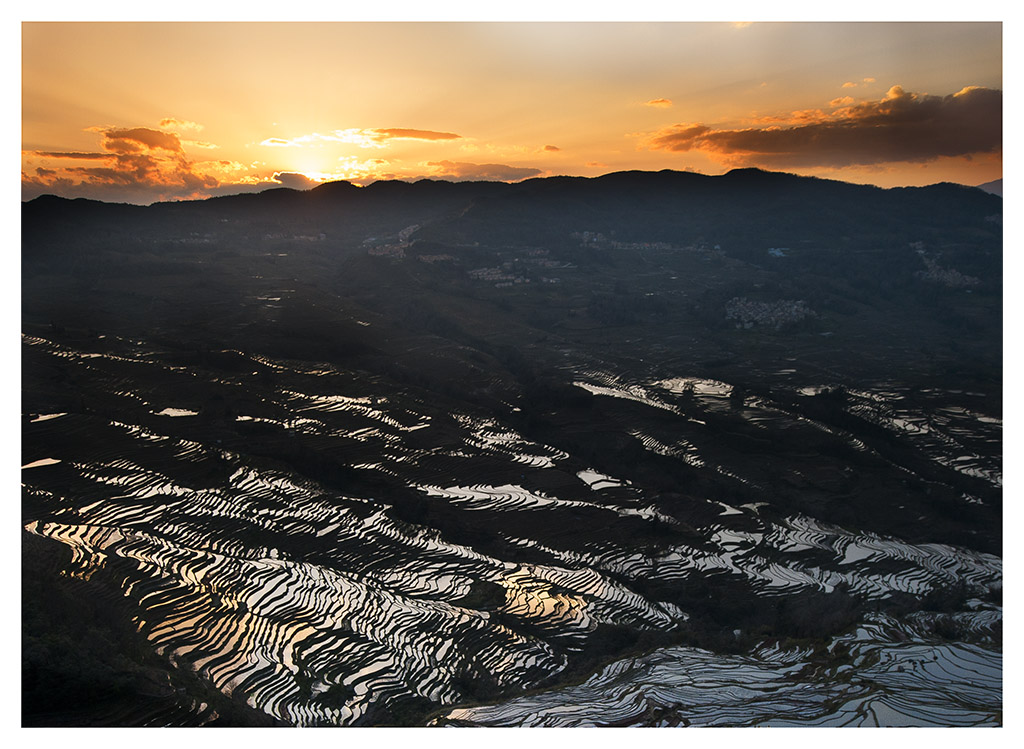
333 551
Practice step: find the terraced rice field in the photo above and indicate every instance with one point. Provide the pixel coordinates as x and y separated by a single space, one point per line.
333 550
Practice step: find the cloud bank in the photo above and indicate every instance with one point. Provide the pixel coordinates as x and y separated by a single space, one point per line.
901 127
132 164
144 165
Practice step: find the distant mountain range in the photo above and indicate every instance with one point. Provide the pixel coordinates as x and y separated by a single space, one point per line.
638 248
741 210
995 187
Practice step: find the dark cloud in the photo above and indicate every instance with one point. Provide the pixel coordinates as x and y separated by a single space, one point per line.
71 155
902 127
410 134
463 171
678 137
295 180
45 182
121 191
552 148
140 139
108 176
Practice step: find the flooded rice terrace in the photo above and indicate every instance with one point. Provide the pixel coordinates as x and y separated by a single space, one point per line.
332 550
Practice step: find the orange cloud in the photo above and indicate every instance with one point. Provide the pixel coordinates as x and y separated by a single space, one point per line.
138 139
552 148
362 137
659 103
901 127
406 133
171 123
134 164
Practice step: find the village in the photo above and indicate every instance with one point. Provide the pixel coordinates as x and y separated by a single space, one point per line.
775 315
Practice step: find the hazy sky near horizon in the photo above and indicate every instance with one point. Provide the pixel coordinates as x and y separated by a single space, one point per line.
138 112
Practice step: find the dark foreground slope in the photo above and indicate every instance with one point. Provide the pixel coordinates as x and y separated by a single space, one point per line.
355 456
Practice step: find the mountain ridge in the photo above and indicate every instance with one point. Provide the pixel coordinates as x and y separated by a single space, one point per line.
337 187
637 205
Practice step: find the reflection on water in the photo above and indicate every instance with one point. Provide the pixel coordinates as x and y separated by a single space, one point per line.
884 674
535 598
41 462
329 552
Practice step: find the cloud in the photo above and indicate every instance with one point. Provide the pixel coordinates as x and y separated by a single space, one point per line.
849 84
70 155
295 180
900 127
171 123
462 171
678 137
362 137
408 134
552 148
138 164
659 103
355 136
138 139
842 101
348 168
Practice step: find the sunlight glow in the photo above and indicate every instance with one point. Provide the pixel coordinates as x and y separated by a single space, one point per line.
600 92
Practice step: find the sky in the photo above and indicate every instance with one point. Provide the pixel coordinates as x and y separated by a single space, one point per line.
143 112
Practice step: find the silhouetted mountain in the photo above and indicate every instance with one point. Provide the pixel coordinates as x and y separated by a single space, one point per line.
742 211
819 240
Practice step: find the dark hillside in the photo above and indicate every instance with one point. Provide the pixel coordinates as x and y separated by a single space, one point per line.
357 456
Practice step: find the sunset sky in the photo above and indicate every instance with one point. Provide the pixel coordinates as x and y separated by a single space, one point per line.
131 112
